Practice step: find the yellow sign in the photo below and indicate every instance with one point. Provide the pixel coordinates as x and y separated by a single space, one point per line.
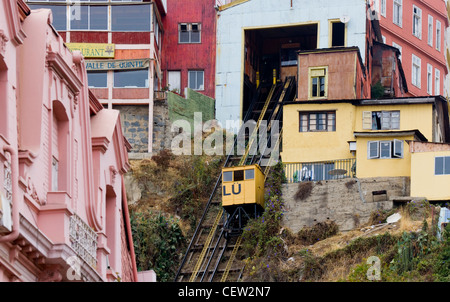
93 50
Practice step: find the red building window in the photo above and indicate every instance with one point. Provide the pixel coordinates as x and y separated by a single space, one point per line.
189 33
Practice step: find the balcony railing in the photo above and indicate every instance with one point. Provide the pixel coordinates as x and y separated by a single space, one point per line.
323 170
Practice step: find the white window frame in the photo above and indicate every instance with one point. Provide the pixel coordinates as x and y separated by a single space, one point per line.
430 30
417 27
399 5
438 35
429 79
189 29
383 8
370 145
437 81
202 87
395 149
415 77
397 144
389 144
399 48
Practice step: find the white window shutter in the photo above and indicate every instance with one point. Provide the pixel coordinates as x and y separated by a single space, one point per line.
367 120
373 150
385 120
395 120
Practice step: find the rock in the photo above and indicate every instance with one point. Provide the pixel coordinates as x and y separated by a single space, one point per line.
393 218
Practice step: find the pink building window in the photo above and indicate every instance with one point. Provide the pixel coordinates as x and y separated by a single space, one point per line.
438 35
417 22
60 148
3 100
112 231
398 11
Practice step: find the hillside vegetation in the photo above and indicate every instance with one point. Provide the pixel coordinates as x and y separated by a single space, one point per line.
175 190
407 250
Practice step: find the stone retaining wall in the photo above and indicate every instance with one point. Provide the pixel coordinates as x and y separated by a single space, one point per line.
348 202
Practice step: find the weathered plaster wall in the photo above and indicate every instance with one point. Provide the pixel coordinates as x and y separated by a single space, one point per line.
341 201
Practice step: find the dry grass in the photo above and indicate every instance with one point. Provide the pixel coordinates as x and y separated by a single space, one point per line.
175 185
336 268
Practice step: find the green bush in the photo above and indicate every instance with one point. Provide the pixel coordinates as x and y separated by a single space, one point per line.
157 242
261 240
377 90
442 263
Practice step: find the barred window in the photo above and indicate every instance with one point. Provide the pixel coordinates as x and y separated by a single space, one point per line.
317 121
189 32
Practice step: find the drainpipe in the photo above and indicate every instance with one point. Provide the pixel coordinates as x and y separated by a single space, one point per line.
128 226
15 196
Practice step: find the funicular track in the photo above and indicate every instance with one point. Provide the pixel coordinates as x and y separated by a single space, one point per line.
213 252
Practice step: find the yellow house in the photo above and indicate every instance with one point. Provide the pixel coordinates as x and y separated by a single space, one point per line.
334 129
430 170
363 138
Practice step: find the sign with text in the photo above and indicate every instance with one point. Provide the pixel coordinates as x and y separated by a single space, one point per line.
93 50
117 64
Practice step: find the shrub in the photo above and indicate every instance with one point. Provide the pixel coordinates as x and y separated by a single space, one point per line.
261 241
377 90
304 190
319 231
157 241
163 158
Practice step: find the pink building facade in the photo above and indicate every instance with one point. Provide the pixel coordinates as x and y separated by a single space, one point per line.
63 210
417 28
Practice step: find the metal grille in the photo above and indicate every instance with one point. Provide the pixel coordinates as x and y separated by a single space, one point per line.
83 240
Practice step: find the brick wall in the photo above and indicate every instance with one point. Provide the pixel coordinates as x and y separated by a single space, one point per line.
345 201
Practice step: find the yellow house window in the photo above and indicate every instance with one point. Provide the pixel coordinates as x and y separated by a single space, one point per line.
318 82
317 121
385 149
442 165
381 120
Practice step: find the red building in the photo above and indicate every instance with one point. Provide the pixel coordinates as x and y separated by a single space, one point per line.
121 42
417 28
189 49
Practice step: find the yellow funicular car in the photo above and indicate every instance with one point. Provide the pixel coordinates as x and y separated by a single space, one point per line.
242 193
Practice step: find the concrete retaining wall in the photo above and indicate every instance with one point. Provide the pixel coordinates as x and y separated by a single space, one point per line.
348 202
